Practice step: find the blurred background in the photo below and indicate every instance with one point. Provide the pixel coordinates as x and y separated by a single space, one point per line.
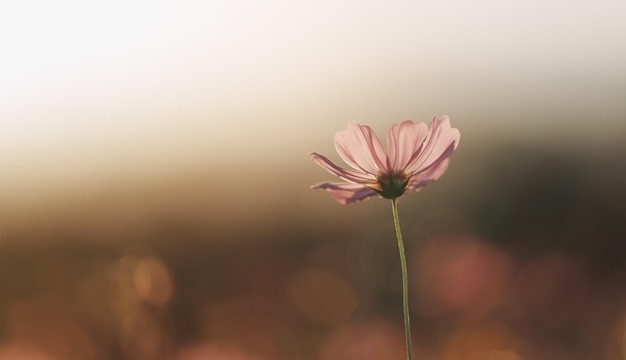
154 180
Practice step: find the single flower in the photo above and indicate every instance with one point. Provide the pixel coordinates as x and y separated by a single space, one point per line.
416 156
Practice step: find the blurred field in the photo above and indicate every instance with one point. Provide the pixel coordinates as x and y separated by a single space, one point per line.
516 253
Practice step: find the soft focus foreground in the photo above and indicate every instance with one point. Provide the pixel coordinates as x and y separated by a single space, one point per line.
517 255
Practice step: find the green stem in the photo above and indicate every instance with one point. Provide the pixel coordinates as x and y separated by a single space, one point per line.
405 280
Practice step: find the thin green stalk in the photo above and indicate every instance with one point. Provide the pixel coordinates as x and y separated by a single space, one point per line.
405 280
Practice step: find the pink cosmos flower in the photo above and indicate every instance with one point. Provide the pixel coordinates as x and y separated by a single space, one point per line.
416 156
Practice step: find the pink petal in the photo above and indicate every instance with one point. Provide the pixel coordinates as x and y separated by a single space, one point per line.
360 148
429 175
403 142
346 193
346 174
441 141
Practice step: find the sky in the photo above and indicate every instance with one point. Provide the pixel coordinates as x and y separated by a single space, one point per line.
105 90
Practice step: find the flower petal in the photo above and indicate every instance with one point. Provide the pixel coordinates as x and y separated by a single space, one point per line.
360 148
346 174
429 175
346 193
403 142
442 140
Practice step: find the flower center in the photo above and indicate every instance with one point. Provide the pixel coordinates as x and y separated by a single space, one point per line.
392 185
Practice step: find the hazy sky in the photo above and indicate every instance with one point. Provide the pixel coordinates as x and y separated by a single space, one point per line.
88 88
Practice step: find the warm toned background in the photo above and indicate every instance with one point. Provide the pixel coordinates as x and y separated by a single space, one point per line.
154 180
